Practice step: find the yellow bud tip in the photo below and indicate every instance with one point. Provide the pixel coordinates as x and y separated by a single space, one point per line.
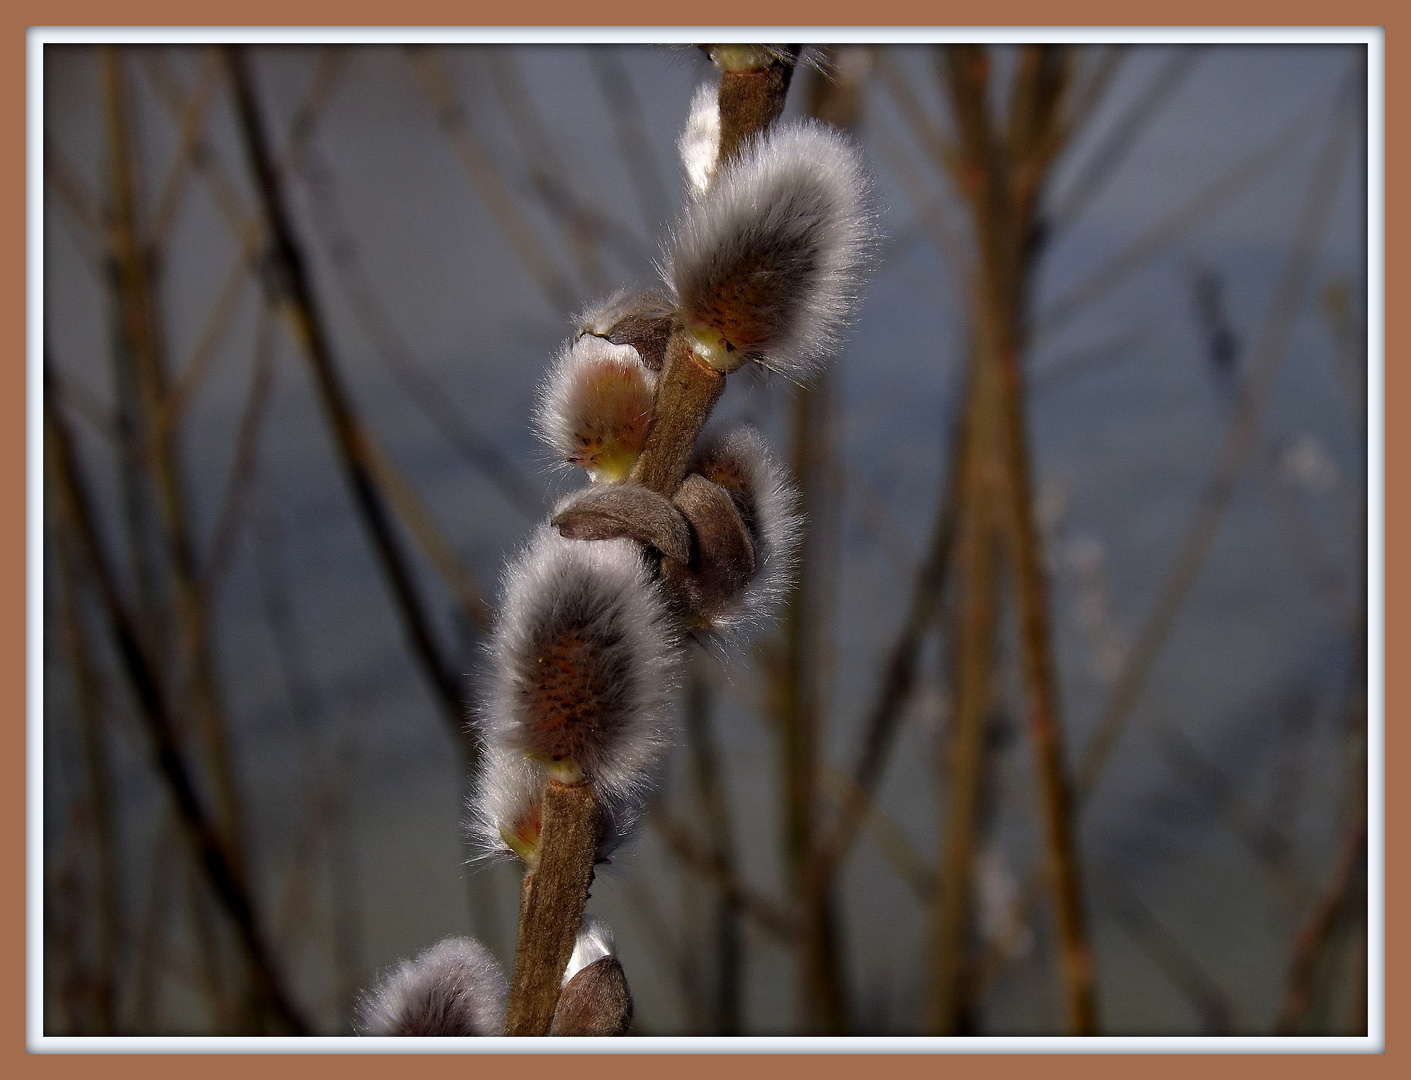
524 844
564 770
740 58
711 347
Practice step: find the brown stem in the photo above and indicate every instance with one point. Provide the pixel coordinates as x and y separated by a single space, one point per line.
551 905
750 101
1001 177
687 390
799 712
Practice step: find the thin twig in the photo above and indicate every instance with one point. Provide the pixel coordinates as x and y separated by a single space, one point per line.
713 797
767 913
140 347
1211 1003
364 300
190 128
486 178
71 188
1104 161
208 845
629 128
1240 440
1060 311
292 295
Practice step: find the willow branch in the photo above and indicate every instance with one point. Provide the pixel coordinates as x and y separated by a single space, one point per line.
551 905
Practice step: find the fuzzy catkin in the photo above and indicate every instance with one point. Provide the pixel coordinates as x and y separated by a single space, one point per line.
596 405
740 461
454 988
584 658
700 142
767 262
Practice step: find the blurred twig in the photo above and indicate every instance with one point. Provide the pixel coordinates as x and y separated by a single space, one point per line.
70 187
291 295
190 127
365 302
1107 157
486 178
89 695
1240 440
629 128
713 797
140 349
1211 1003
1060 311
766 912
1002 177
205 838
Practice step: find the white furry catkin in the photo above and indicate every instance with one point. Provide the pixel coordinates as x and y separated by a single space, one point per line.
584 659
596 405
700 142
765 265
454 988
594 942
741 462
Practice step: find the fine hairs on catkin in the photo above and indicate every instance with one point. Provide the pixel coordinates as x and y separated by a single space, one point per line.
504 811
594 942
583 662
596 405
454 988
699 144
765 265
740 461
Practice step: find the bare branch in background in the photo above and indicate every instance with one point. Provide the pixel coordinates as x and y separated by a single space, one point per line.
291 295
766 912
1211 1003
629 128
1118 269
1241 439
364 301
204 836
489 184
1107 158
190 128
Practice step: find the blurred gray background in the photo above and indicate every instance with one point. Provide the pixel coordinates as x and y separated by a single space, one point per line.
447 252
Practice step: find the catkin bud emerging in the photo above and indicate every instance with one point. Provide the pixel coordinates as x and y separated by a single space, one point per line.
584 659
595 999
454 988
765 265
596 406
643 320
725 592
700 142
